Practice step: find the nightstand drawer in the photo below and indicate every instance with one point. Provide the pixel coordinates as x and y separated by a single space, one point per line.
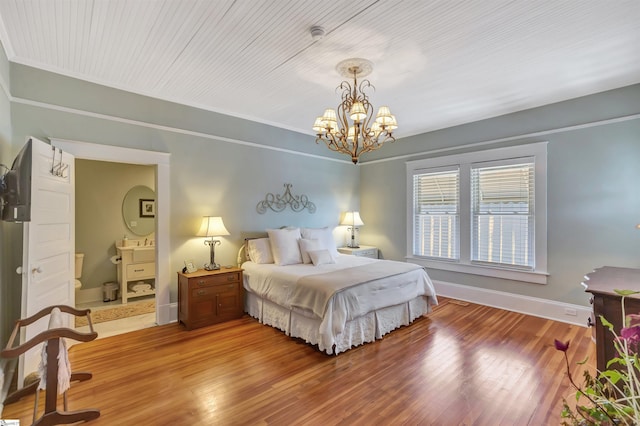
208 290
373 253
212 280
362 251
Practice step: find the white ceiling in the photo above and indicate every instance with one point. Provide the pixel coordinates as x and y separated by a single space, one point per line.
436 63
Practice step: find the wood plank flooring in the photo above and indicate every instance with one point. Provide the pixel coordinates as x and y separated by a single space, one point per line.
463 364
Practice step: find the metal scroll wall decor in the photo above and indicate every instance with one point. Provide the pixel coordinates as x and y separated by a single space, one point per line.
278 203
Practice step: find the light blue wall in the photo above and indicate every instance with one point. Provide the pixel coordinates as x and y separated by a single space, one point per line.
220 165
593 196
30 84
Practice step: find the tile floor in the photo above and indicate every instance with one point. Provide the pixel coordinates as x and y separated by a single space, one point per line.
119 326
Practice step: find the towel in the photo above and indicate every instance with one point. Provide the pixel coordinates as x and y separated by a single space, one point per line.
140 287
64 367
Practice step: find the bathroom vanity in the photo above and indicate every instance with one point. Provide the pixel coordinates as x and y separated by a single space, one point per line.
137 268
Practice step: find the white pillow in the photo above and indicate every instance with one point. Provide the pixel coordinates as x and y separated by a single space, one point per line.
306 246
284 246
325 236
321 257
259 250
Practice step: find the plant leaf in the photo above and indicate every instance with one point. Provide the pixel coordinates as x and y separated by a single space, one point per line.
626 292
606 323
614 361
613 375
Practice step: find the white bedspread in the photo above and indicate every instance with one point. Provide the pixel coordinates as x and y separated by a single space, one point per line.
280 284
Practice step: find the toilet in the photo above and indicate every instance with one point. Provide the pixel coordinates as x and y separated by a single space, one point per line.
79 261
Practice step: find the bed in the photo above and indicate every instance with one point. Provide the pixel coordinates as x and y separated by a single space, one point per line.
296 281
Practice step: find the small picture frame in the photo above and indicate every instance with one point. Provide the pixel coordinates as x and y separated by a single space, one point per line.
190 267
147 207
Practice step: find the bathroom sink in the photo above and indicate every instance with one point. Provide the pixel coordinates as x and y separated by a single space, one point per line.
144 254
141 250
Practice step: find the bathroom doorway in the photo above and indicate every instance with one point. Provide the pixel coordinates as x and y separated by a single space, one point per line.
115 207
165 312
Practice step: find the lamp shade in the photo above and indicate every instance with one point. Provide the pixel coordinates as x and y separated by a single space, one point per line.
384 117
352 219
358 113
330 119
212 226
318 126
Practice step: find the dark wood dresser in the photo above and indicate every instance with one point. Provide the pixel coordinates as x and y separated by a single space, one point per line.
210 297
606 302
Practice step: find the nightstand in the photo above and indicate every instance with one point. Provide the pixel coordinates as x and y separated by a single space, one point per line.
362 251
210 297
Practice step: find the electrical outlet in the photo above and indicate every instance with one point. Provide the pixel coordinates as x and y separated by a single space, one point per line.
570 311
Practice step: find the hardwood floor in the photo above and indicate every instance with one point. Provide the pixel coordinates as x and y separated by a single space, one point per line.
464 364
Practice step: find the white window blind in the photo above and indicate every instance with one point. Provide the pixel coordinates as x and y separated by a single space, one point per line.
436 215
503 219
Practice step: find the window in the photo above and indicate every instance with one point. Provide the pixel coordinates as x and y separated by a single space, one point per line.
502 213
482 213
436 218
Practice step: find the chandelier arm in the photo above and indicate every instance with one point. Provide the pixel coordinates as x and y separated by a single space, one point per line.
346 91
365 84
343 122
366 129
330 141
333 145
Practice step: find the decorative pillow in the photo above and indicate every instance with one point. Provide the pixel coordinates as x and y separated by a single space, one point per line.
306 246
259 250
321 257
284 245
325 236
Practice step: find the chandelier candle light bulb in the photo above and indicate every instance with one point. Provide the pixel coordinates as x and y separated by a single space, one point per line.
351 129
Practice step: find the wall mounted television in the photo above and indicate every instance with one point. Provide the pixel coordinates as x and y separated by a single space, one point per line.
15 188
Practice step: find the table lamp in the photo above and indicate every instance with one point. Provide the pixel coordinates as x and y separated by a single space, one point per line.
352 219
212 226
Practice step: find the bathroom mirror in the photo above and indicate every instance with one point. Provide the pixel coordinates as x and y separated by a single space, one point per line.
139 210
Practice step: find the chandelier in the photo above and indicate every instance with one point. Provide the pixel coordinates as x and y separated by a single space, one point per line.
351 130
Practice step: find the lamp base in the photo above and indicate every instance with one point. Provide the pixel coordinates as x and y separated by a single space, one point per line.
352 243
211 266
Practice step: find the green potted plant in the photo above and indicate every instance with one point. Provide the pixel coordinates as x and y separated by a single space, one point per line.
612 396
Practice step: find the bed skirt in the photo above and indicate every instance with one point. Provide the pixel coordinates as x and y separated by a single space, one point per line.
358 331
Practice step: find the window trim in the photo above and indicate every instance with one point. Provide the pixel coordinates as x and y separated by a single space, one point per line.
537 150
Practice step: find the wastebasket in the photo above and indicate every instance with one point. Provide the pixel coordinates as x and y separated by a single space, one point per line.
109 291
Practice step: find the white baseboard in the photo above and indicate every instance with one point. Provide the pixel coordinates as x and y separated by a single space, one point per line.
167 313
88 295
549 309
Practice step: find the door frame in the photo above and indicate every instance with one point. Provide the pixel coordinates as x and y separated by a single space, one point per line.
165 312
